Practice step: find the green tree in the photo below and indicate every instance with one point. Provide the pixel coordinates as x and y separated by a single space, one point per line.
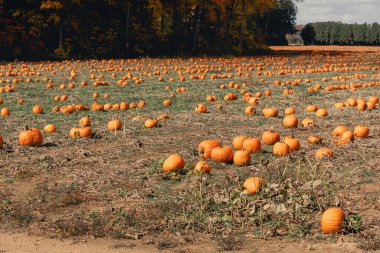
308 34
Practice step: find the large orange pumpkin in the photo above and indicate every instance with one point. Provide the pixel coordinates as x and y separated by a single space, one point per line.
30 137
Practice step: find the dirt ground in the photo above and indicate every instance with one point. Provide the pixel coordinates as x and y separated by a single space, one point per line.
24 243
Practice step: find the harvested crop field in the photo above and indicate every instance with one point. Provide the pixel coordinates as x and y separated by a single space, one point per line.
110 188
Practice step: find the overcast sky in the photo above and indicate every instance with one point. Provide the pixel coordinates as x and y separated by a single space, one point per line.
346 11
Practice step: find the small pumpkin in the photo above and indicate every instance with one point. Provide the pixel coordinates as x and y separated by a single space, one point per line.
5 112
281 149
323 153
30 137
141 104
222 154
290 121
311 108
361 131
253 184
294 143
321 113
308 122
114 125
270 137
50 128
174 162
163 116
242 157
348 135
202 167
1 142
167 102
290 111
201 108
150 123
124 106
270 112
249 110
210 98
37 109
80 132
332 220
206 146
252 145
237 142
339 130
85 121
352 102
314 139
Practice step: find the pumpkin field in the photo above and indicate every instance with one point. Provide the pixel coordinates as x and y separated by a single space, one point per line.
219 154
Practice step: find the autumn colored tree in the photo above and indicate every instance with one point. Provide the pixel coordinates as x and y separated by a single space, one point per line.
48 29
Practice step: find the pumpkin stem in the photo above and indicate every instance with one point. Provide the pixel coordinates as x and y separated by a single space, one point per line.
26 128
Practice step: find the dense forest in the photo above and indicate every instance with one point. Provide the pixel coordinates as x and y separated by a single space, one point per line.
36 29
337 33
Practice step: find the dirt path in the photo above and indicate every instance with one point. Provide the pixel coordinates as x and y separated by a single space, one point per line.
24 243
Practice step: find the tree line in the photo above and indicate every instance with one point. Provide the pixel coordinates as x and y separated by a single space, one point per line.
36 29
337 33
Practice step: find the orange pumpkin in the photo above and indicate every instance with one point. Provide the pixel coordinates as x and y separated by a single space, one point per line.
270 137
242 157
201 108
323 153
173 163
250 110
80 132
252 145
37 109
5 112
314 139
290 111
30 137
311 108
339 130
308 122
290 121
167 102
114 125
347 135
253 184
281 149
293 143
270 112
361 131
222 154
50 128
332 220
150 123
206 146
85 121
321 113
202 167
237 142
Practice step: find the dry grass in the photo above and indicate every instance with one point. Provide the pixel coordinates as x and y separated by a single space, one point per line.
112 184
